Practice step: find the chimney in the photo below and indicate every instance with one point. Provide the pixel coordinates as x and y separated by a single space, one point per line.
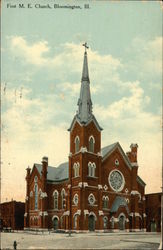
44 166
133 156
28 173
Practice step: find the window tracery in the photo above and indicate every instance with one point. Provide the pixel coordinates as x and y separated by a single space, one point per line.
76 168
91 169
91 144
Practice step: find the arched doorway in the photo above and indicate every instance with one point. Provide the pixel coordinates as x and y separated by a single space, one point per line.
121 222
153 226
105 219
91 223
55 223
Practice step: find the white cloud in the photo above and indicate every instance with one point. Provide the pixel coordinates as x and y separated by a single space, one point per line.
130 105
148 56
127 121
71 56
33 54
74 88
27 135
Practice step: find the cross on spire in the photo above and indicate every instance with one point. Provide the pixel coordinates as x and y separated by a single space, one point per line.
86 46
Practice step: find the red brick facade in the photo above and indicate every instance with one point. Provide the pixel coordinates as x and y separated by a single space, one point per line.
129 214
98 189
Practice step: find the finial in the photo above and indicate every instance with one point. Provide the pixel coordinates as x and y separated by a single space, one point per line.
86 46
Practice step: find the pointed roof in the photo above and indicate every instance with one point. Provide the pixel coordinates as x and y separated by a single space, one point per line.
85 102
85 73
55 174
84 114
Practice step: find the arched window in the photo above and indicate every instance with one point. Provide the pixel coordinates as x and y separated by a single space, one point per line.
55 199
36 196
105 200
91 199
75 199
91 169
76 169
77 144
91 144
63 198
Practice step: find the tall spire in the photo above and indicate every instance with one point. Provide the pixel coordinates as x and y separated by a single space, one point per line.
84 102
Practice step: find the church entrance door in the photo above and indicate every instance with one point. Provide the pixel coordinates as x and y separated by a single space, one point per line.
121 222
153 226
91 223
55 223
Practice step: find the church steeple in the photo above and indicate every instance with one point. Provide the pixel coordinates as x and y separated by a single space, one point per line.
84 101
84 113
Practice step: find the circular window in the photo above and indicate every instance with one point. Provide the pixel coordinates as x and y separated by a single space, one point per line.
116 162
91 199
75 199
116 180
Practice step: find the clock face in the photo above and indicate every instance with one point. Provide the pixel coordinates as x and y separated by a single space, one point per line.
116 180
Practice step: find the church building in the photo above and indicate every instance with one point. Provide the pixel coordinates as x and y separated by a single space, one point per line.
97 189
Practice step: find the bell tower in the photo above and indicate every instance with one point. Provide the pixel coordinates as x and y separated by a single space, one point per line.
84 158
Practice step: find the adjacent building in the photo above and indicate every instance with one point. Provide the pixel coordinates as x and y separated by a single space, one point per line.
96 189
12 215
153 211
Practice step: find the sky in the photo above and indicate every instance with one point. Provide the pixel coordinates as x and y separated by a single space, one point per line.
42 57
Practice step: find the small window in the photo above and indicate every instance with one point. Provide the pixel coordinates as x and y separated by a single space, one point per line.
91 169
105 202
55 199
91 144
63 198
116 162
77 144
76 168
75 199
91 199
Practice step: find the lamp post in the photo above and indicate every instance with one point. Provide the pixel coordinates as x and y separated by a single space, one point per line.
69 233
161 245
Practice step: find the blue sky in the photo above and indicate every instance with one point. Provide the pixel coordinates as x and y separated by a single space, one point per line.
42 60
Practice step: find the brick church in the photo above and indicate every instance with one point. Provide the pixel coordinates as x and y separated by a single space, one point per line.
98 189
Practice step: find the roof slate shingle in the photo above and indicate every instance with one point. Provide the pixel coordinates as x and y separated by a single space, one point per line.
119 201
61 172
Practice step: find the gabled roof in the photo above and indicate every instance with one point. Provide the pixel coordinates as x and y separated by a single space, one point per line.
59 173
118 202
77 119
106 151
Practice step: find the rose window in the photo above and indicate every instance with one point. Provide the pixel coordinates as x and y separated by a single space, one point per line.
116 180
